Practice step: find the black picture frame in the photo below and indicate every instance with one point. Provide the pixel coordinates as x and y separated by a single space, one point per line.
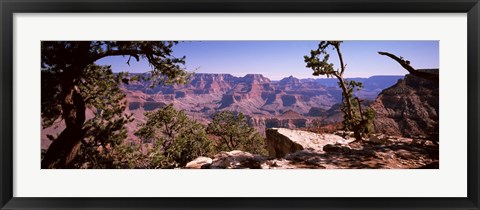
10 7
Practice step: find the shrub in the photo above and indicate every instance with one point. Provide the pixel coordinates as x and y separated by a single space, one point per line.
175 138
235 133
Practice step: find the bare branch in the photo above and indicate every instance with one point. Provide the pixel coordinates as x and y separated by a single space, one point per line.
406 65
128 62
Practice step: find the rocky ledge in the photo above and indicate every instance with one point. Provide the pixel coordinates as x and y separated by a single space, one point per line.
293 149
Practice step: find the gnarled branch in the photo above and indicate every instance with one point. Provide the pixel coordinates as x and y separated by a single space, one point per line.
132 53
406 65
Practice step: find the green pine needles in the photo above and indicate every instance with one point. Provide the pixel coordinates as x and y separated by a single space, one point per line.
234 133
174 139
355 119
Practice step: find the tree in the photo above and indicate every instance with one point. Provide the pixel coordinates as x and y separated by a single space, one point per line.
406 65
176 139
68 66
106 129
235 133
355 119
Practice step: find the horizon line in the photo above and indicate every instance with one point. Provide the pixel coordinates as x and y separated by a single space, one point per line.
312 77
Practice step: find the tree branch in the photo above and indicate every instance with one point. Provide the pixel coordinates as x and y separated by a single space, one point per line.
406 65
133 53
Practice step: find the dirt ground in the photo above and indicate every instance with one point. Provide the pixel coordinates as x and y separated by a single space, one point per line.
395 153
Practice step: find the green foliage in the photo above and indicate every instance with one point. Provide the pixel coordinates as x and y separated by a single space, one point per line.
318 60
69 66
128 155
175 138
354 118
369 116
235 133
106 128
60 56
350 107
65 62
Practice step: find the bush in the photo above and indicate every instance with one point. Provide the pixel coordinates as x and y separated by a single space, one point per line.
175 138
235 133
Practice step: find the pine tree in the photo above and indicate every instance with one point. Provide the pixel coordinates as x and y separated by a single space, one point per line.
71 83
354 118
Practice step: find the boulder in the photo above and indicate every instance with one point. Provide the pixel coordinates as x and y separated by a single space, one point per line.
282 141
200 162
237 160
278 164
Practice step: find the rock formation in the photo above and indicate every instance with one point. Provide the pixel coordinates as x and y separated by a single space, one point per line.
282 141
237 160
409 108
294 149
200 162
254 92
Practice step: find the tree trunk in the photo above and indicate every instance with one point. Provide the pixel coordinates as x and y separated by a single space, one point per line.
344 96
64 149
358 135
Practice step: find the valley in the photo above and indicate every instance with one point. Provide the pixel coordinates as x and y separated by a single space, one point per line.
288 103
175 108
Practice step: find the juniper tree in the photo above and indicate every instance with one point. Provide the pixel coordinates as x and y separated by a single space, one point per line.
66 65
354 118
176 139
106 129
235 133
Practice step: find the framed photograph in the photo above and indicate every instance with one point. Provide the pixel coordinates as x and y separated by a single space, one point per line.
239 105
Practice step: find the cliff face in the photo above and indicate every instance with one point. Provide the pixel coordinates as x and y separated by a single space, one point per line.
410 108
265 102
251 94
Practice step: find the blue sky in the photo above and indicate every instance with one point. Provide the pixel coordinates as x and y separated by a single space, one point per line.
279 59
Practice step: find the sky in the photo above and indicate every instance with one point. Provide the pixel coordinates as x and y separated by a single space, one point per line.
279 59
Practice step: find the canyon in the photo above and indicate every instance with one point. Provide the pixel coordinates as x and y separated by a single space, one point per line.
404 105
289 102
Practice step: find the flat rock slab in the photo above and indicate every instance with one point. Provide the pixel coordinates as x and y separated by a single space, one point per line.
282 141
199 162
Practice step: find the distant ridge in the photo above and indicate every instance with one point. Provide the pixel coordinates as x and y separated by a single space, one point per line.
252 94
